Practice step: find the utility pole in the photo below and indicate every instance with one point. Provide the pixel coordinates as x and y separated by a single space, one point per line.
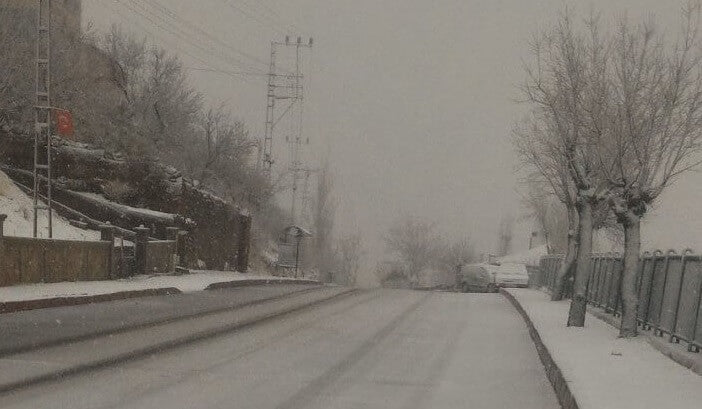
270 114
42 117
306 197
294 92
296 165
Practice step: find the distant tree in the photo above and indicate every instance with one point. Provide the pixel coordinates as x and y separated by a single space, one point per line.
323 220
451 256
412 242
349 252
505 235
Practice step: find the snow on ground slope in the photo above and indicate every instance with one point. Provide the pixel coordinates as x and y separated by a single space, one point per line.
196 281
604 371
19 209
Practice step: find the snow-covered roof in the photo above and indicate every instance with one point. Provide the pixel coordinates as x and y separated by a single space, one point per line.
530 257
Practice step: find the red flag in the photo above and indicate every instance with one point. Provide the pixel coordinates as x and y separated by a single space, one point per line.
64 122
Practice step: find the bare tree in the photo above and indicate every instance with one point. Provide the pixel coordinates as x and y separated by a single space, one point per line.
349 252
538 146
413 243
654 129
452 256
159 110
566 88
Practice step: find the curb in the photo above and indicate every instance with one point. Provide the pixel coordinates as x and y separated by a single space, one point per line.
163 346
553 372
678 356
17 306
258 281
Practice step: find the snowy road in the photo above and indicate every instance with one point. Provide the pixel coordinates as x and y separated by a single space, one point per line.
373 349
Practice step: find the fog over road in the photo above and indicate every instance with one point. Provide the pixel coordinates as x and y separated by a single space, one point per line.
371 349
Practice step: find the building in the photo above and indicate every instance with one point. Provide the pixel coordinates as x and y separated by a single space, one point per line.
65 13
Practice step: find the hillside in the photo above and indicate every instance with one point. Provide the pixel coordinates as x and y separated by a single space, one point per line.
18 208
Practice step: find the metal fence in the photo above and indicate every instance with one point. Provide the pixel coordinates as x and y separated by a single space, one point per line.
669 287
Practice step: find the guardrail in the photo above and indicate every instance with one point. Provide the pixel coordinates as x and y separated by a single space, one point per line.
669 286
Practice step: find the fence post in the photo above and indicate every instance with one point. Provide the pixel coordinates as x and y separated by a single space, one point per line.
639 284
657 330
107 233
596 278
619 272
673 337
142 241
693 345
647 315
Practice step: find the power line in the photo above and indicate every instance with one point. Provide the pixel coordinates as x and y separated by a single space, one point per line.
148 31
229 72
173 15
276 19
176 32
271 11
250 15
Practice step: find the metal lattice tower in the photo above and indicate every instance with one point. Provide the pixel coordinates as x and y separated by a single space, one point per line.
270 114
306 197
286 87
42 117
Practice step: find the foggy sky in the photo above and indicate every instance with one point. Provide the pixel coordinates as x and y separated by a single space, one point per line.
415 100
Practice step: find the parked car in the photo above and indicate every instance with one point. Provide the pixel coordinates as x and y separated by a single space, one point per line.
483 277
512 275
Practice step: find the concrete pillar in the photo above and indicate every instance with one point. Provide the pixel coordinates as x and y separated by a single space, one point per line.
2 245
107 233
242 259
141 243
2 224
173 234
182 248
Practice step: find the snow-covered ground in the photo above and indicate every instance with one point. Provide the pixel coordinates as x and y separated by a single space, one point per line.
196 281
19 210
604 371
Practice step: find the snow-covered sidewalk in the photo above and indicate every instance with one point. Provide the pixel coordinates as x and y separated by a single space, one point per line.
196 281
604 371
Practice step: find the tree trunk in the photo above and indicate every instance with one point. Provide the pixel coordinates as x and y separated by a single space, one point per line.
630 298
569 259
578 305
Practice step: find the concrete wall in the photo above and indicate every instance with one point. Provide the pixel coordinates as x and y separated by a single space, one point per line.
28 260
